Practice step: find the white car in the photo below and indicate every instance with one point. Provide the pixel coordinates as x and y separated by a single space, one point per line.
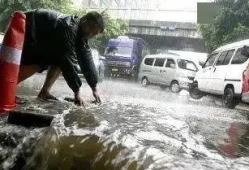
222 74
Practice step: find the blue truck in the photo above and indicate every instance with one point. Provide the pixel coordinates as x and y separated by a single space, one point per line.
123 56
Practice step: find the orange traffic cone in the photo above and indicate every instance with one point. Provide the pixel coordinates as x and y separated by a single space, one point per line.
10 57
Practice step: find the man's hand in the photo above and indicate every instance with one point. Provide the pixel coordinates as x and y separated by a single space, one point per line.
96 95
78 100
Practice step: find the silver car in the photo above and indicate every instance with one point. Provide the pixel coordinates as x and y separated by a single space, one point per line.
167 70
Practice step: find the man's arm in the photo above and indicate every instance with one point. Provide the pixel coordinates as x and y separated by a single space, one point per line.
67 58
86 63
69 71
87 66
70 74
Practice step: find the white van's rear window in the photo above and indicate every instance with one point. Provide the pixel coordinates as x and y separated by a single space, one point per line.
239 58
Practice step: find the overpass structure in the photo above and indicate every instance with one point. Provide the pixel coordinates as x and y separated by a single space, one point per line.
164 28
164 35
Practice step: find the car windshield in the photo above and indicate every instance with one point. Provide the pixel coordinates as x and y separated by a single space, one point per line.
119 51
187 65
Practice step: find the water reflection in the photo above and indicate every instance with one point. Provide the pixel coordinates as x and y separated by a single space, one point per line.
76 152
236 144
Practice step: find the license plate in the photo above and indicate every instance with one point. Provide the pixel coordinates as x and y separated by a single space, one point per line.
114 69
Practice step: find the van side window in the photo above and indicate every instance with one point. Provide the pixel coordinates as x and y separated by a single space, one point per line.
169 63
228 57
221 58
159 62
210 61
148 61
238 58
225 57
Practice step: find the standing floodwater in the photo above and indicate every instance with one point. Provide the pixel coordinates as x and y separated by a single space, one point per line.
134 128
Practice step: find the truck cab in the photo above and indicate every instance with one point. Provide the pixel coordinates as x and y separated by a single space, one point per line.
123 56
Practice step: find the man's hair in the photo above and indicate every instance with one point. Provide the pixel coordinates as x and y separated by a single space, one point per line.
94 18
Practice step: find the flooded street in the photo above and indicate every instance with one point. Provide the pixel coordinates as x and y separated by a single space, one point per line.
133 128
153 124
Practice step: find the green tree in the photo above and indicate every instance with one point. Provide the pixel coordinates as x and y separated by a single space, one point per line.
7 7
114 27
230 25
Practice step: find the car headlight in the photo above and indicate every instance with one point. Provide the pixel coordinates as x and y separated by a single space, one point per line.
183 76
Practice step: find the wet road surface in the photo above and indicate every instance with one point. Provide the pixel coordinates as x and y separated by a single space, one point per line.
134 128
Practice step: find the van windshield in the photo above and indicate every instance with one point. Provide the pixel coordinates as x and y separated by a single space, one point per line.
118 51
187 65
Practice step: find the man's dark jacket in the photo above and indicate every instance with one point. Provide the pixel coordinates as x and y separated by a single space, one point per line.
55 39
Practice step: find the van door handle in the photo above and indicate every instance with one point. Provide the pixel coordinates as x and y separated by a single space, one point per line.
214 69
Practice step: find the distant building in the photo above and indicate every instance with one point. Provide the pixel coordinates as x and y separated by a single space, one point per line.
142 9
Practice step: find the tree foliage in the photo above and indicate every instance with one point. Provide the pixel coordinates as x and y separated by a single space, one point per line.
7 7
230 25
114 27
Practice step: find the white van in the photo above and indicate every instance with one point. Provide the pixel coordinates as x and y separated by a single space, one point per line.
167 70
222 74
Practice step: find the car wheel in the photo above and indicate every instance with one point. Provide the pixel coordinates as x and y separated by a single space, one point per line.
145 82
229 100
174 87
195 93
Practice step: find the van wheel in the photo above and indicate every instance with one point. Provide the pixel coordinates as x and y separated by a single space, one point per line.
195 93
145 82
229 100
174 87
